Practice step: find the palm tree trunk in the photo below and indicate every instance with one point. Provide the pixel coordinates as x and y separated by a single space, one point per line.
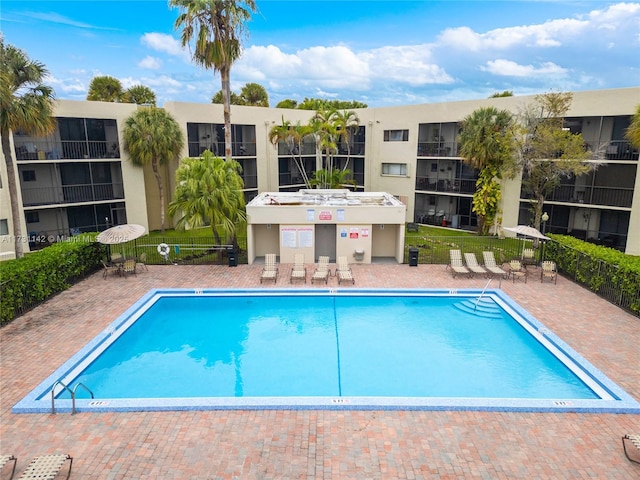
226 101
154 167
13 194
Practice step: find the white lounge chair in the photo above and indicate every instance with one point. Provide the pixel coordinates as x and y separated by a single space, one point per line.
491 266
321 272
549 271
270 269
343 271
472 264
298 271
456 265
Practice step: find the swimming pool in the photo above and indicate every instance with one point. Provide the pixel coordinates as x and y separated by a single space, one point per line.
332 348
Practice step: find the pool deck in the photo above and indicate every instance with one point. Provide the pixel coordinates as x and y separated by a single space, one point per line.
310 444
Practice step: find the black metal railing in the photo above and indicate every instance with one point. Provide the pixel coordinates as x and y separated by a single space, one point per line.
72 194
65 149
569 193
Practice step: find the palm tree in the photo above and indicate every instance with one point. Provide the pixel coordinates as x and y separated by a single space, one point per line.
633 132
152 137
345 121
140 95
254 94
105 89
26 104
292 136
216 27
335 178
486 144
209 191
234 98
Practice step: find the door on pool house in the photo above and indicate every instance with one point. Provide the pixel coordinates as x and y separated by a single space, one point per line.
325 241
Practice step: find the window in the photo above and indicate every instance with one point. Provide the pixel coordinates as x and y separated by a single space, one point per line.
28 175
396 135
394 169
4 227
32 217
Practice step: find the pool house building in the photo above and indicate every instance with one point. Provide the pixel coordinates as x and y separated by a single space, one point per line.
80 179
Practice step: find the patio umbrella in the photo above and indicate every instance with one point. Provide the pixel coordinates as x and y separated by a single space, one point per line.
527 231
120 234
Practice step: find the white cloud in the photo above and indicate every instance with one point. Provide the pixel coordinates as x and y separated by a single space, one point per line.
339 66
508 68
553 33
165 43
149 62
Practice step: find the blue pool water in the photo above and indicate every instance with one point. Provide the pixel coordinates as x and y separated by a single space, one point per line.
262 349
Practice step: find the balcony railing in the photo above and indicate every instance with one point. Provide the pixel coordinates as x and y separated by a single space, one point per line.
72 194
65 149
437 149
458 185
612 197
307 149
238 149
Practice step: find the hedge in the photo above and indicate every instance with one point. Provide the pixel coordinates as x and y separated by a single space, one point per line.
32 279
605 271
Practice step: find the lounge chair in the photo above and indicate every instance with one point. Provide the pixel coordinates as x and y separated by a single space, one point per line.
517 271
491 266
456 264
528 256
298 271
46 467
343 271
4 459
632 440
549 271
472 264
322 270
270 269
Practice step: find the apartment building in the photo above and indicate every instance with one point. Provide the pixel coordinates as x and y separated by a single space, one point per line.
79 179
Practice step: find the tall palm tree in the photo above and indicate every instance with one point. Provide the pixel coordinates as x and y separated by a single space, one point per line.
292 136
209 191
486 144
26 104
345 121
216 27
152 137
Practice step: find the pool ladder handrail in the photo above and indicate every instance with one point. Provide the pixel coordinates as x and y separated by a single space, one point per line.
72 392
475 307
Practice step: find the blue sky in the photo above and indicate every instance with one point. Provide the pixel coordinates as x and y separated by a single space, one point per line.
381 53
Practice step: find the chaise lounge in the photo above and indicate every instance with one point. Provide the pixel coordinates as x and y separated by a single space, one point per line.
343 272
456 264
270 269
631 441
321 272
46 467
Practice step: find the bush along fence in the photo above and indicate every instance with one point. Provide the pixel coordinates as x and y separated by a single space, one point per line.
608 273
29 281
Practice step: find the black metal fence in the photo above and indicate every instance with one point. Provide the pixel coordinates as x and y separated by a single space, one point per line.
182 251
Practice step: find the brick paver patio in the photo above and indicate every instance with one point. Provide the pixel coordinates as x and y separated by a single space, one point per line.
318 444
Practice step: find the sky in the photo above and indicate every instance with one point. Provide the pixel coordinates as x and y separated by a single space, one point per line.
381 53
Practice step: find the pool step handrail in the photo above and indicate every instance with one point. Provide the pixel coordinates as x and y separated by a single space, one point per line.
72 392
481 294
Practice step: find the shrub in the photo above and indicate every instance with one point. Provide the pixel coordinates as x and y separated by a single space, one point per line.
30 280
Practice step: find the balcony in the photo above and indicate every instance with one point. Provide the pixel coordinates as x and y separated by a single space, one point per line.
65 150
437 149
607 196
238 149
457 185
72 194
